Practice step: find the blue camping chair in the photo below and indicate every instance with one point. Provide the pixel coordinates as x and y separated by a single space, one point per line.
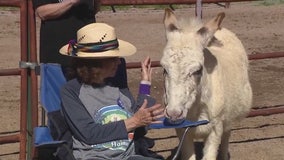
56 134
55 137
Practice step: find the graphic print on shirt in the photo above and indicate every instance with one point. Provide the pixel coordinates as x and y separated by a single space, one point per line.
107 115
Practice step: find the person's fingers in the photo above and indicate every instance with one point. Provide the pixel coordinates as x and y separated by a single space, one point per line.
149 63
158 116
154 107
157 111
157 119
156 122
146 62
149 115
146 69
142 64
144 105
150 75
147 59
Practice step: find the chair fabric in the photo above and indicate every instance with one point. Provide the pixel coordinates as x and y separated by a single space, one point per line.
52 79
56 135
184 124
44 138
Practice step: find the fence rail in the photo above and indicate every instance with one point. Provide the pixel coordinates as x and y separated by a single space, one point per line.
11 3
156 2
256 56
28 110
28 80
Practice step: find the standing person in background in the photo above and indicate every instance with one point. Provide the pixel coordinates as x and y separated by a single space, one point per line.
60 19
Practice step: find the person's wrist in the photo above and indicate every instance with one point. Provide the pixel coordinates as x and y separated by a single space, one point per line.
145 82
144 89
132 123
71 2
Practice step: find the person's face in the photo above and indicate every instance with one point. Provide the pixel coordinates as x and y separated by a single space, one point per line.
109 66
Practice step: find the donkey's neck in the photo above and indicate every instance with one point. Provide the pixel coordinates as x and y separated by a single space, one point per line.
210 63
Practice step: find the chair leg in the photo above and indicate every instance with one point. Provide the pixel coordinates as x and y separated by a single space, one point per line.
180 144
46 154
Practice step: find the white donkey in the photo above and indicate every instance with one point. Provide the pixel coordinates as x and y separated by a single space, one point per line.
206 78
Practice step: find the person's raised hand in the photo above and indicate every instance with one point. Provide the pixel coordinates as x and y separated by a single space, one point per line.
146 70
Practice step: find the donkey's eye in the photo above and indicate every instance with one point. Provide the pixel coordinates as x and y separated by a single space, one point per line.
198 72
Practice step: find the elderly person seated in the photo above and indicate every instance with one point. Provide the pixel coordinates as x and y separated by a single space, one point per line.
102 117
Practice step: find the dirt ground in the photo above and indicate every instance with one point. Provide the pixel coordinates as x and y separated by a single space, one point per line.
259 27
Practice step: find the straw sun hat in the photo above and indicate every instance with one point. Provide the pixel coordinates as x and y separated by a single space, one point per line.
97 40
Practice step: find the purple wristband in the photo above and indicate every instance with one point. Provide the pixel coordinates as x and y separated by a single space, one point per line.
144 89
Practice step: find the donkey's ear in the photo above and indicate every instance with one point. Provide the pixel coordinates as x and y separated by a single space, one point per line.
170 20
208 30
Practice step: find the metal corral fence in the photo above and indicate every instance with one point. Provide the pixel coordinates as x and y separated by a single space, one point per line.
28 79
28 62
154 2
256 56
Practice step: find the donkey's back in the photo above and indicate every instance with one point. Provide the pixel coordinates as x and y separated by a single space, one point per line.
229 77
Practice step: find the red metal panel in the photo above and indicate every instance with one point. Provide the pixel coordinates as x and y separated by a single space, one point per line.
10 3
266 111
10 72
22 136
24 80
34 81
26 10
9 139
256 56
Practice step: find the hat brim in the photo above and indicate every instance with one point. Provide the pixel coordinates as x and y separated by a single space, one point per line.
124 49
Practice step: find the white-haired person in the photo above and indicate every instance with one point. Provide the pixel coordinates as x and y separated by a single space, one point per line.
103 118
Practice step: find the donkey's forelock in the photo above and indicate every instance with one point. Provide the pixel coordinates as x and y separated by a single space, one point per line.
190 25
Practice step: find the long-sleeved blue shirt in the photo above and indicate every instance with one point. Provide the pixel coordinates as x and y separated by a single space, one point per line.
81 105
